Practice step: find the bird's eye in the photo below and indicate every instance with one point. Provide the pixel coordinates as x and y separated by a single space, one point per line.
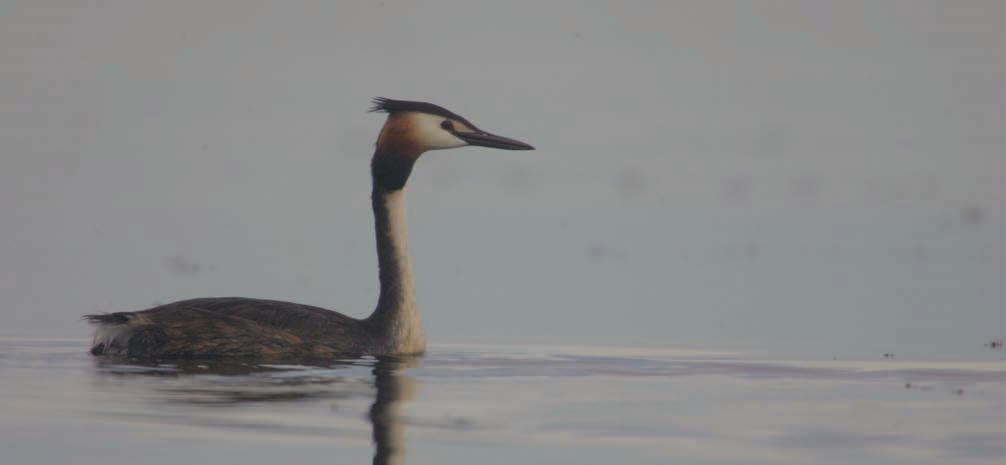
447 125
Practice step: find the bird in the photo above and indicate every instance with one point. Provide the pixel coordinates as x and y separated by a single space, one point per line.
269 329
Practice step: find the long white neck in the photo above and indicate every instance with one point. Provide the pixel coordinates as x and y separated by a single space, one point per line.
396 318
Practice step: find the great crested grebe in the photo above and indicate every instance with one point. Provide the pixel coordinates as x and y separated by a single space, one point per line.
243 327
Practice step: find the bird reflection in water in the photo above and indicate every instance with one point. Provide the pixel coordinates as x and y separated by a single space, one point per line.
232 382
393 390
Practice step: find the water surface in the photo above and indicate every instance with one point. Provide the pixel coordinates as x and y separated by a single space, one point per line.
498 404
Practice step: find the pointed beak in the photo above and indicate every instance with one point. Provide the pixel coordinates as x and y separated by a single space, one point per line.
486 139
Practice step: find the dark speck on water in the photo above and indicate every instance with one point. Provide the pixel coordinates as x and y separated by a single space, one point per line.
972 214
751 249
181 266
506 404
631 183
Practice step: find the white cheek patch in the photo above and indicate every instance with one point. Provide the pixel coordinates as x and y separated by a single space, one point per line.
433 137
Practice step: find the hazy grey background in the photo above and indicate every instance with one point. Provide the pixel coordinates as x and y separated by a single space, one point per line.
804 176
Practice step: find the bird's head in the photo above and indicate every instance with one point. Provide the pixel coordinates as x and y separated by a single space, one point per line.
417 127
413 128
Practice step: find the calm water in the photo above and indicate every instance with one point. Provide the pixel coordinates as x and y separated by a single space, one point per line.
497 404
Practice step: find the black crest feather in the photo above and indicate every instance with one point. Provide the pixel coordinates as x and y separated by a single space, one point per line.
117 318
387 105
